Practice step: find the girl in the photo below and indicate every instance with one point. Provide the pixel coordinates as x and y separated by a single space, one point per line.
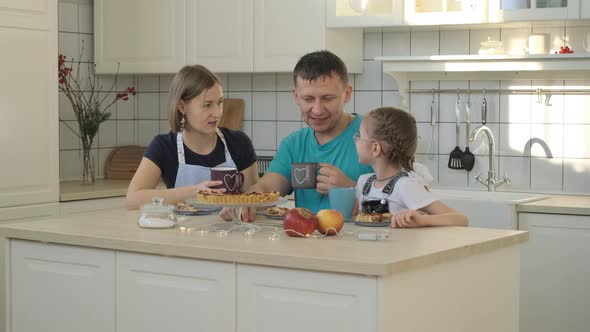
183 157
387 141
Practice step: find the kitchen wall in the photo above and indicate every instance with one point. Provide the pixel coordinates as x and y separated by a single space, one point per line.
541 148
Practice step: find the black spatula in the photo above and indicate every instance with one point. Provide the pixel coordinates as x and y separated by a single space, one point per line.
468 158
455 156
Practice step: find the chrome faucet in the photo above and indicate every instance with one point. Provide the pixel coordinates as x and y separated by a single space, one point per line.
491 182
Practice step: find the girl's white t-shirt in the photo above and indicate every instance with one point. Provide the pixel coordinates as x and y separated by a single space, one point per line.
408 193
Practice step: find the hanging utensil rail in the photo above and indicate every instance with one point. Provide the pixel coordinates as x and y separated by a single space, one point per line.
507 91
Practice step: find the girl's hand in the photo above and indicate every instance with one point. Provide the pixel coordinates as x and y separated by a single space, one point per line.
406 219
206 185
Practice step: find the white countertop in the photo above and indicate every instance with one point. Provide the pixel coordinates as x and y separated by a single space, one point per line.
75 190
559 204
408 248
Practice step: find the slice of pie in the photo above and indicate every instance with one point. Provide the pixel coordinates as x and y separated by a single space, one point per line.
182 206
373 217
277 211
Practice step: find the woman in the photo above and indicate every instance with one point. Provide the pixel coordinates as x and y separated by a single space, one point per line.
183 157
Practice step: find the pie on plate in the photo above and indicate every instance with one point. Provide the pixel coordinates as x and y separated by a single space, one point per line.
210 197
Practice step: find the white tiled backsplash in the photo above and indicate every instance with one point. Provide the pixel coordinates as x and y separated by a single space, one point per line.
519 123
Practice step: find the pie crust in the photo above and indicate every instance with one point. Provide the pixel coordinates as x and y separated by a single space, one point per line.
210 197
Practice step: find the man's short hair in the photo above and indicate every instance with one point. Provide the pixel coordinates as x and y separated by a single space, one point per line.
320 64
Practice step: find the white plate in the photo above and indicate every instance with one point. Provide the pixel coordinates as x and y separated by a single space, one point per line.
373 224
270 216
199 212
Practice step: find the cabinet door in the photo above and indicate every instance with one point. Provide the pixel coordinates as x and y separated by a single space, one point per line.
435 12
275 299
534 10
143 36
284 30
585 9
28 103
61 288
555 295
363 13
220 34
156 293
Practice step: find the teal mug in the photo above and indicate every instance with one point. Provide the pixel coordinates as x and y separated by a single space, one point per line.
342 200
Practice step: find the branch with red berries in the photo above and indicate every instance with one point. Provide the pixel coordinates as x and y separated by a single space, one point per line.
84 97
564 50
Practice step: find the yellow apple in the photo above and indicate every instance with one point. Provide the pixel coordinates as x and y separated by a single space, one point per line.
330 222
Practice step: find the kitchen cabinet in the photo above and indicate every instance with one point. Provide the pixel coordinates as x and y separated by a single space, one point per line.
364 13
61 288
156 293
220 34
270 297
133 36
29 129
285 30
139 36
555 295
456 276
585 9
535 10
438 12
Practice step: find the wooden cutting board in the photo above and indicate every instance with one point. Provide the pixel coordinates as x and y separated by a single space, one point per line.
123 162
233 114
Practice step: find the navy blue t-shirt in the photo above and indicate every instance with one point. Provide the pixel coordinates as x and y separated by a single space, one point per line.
162 151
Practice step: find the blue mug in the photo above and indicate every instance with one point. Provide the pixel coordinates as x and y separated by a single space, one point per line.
342 200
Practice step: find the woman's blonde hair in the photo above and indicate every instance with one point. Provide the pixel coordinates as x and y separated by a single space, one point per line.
396 131
188 83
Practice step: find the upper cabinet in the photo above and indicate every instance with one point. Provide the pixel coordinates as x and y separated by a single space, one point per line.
585 10
220 34
364 13
435 12
29 129
284 30
534 10
139 36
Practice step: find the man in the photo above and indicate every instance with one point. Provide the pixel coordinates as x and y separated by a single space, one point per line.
321 91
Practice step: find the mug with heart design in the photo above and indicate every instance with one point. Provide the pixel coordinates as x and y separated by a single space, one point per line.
231 179
303 175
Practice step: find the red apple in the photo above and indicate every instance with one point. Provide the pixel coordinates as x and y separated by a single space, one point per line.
299 222
330 222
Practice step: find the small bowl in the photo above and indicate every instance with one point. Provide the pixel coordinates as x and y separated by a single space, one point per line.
491 47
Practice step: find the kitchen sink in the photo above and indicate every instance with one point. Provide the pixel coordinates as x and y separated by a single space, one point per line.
487 209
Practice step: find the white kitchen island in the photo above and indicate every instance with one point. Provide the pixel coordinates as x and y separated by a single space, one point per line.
99 271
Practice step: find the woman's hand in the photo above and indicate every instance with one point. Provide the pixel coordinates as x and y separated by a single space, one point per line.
406 219
207 186
247 214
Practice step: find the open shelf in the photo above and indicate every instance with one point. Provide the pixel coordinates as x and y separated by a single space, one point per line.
404 69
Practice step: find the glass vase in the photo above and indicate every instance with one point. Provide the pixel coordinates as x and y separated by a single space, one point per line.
88 170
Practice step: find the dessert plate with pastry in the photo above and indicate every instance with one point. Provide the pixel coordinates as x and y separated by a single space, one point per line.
186 209
373 219
274 212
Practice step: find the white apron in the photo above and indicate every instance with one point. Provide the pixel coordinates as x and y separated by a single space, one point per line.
190 175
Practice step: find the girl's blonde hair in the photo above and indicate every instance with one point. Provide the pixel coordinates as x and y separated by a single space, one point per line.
188 83
396 131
